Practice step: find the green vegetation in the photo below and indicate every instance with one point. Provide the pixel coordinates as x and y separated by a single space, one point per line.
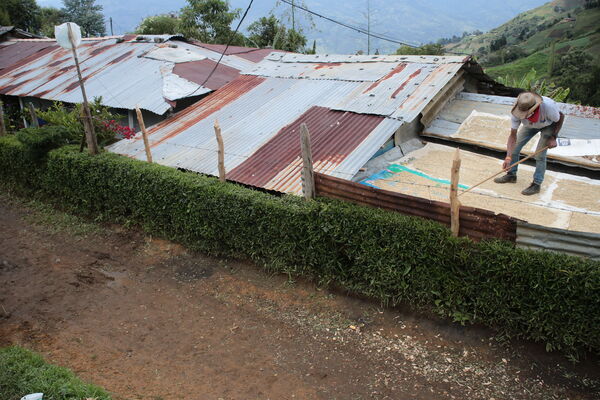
23 14
29 16
163 24
210 21
546 297
86 14
519 68
70 120
427 49
23 372
270 32
557 33
530 82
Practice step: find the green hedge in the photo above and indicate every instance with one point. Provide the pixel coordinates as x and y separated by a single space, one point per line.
23 372
546 297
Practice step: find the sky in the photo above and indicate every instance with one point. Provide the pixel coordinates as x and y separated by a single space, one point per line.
417 22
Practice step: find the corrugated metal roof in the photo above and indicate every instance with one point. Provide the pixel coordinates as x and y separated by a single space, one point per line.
334 135
352 105
394 86
4 29
126 74
197 71
342 58
11 52
257 116
248 53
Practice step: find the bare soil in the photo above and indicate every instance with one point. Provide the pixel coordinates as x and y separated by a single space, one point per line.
147 319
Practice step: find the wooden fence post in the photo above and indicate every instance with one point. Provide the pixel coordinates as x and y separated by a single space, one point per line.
144 133
308 175
454 202
34 120
2 125
220 151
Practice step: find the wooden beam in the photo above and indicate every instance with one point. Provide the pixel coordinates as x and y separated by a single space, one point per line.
2 125
144 133
90 134
308 175
22 108
220 151
439 101
34 119
454 202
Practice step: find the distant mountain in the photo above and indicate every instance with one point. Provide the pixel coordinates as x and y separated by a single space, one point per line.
414 21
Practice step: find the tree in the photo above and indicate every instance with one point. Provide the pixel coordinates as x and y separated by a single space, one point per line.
23 14
430 49
265 31
578 71
50 17
497 44
210 21
87 15
294 41
165 24
270 32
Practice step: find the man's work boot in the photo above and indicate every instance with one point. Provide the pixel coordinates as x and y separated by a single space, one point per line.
508 178
534 188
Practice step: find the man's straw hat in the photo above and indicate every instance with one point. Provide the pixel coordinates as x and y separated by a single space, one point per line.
526 104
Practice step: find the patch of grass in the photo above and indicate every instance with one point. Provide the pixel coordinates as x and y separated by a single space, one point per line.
520 67
51 219
57 221
23 372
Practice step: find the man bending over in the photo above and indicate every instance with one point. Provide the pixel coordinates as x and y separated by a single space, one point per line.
537 114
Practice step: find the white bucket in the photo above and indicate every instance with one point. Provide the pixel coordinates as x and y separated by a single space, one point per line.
33 396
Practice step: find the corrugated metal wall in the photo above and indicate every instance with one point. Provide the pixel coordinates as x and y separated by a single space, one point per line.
475 223
539 237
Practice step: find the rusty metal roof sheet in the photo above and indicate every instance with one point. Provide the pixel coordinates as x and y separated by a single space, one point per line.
394 86
258 116
197 71
11 52
276 165
249 53
342 58
351 104
125 74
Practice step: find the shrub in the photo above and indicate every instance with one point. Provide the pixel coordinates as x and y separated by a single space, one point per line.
105 122
23 372
547 297
39 141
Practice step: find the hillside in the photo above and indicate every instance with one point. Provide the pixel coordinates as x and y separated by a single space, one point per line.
530 35
538 39
417 22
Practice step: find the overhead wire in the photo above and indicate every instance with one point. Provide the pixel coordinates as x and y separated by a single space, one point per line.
224 50
354 28
228 43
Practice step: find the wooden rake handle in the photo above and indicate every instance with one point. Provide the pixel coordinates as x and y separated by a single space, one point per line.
504 170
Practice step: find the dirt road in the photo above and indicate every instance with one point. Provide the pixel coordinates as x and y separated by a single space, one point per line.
147 319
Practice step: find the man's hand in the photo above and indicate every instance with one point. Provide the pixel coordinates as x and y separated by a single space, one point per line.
507 163
551 142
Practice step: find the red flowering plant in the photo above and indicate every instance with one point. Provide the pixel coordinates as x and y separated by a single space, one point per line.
106 123
120 131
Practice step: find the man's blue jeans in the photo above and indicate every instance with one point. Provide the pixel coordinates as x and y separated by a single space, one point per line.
525 135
